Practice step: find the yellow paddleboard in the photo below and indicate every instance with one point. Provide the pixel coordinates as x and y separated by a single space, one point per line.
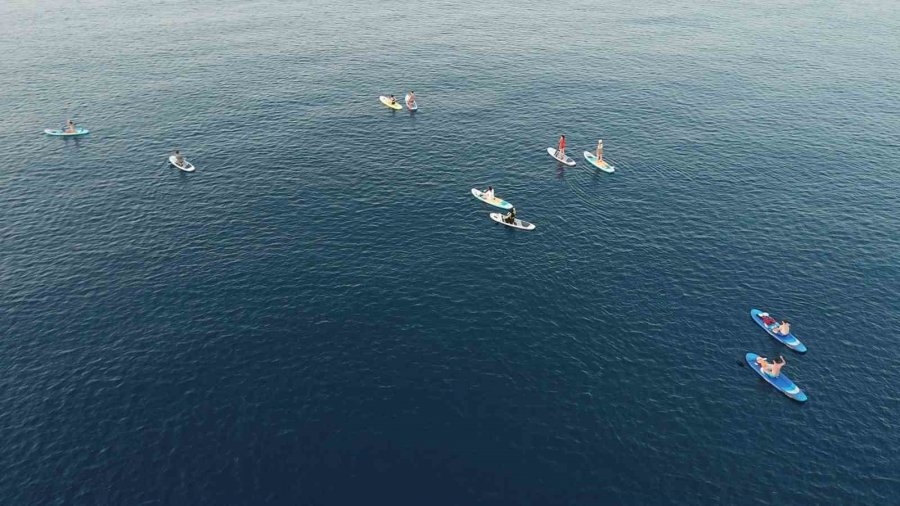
386 101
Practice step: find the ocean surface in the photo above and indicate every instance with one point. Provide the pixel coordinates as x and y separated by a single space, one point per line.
322 313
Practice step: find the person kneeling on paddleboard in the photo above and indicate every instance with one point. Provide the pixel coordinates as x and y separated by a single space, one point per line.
510 216
561 148
773 369
179 159
411 99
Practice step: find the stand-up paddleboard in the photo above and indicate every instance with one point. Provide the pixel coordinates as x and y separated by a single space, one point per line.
789 340
386 101
521 225
592 159
781 382
187 167
61 133
568 161
494 201
412 107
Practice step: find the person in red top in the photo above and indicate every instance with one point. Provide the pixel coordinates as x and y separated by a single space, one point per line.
561 149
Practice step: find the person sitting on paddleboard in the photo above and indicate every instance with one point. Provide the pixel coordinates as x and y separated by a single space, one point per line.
70 127
489 193
411 98
600 151
783 329
178 158
393 100
773 369
510 216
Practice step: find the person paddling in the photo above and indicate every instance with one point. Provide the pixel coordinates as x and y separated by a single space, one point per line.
561 147
393 100
600 151
489 193
510 216
772 370
70 127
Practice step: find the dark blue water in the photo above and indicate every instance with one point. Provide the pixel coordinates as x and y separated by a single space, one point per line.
322 313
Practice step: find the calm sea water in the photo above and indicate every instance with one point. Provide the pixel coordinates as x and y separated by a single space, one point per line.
322 313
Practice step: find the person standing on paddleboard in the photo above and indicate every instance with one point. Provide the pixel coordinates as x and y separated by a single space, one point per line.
561 148
600 151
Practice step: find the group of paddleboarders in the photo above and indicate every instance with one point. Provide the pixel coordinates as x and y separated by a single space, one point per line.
561 149
410 99
782 328
509 217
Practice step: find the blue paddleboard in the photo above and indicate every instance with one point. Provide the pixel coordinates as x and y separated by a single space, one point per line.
781 382
789 340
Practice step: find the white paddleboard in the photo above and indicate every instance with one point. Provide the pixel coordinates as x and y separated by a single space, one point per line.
187 167
496 202
592 159
568 161
519 224
61 133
